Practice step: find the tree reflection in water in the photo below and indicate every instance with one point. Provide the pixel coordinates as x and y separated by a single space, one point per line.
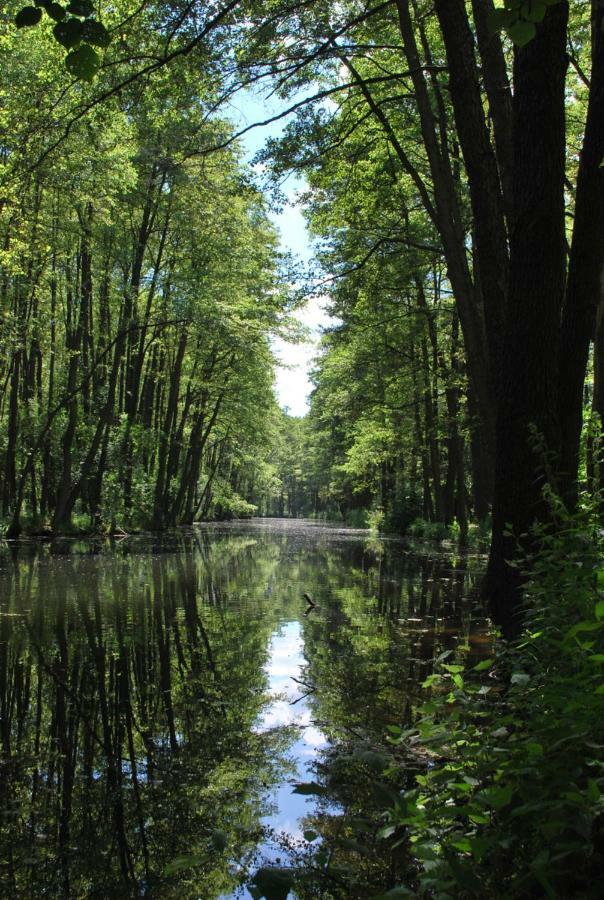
136 755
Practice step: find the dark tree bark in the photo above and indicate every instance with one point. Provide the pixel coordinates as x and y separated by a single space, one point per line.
586 266
499 95
529 373
481 169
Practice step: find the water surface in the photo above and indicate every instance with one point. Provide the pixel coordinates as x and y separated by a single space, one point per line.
161 696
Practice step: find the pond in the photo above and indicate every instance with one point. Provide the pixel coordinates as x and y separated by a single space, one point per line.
161 697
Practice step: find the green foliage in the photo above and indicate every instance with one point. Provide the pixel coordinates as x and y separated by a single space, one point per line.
75 30
142 394
511 801
519 18
83 63
519 765
430 531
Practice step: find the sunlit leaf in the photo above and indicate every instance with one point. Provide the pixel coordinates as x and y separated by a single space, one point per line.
483 665
521 32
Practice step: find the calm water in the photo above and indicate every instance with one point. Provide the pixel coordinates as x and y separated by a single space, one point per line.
159 697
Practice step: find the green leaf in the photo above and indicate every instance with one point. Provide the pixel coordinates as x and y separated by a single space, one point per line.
28 16
81 8
500 18
68 33
95 33
309 787
273 882
520 678
384 794
522 32
425 851
593 791
580 628
83 63
464 875
462 844
310 835
55 11
479 818
600 609
483 665
496 797
396 892
534 11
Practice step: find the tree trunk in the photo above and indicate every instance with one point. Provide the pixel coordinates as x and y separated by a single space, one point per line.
586 266
527 398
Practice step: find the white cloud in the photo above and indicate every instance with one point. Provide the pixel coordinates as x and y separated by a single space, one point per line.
292 382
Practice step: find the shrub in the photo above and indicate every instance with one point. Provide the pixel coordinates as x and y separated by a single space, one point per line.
512 805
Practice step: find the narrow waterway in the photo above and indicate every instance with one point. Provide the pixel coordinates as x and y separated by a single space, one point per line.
160 697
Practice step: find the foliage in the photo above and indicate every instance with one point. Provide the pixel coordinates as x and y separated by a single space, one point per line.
519 18
75 29
507 799
141 286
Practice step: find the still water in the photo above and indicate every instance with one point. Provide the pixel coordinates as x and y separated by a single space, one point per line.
160 697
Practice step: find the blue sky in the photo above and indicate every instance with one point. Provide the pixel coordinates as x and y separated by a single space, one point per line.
292 383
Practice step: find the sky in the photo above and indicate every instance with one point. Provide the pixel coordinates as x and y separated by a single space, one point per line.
292 384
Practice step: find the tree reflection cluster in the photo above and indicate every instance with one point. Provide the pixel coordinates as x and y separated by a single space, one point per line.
133 678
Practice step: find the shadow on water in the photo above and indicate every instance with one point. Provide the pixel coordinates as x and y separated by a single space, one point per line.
159 696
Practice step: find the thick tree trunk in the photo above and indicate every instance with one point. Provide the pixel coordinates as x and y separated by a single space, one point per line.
527 398
586 266
448 218
481 170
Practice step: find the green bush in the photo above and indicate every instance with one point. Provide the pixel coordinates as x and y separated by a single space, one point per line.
511 804
430 531
357 518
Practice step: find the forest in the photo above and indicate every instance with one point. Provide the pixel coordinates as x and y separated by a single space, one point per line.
449 157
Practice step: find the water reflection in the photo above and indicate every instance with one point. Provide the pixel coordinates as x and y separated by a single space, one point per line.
159 696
